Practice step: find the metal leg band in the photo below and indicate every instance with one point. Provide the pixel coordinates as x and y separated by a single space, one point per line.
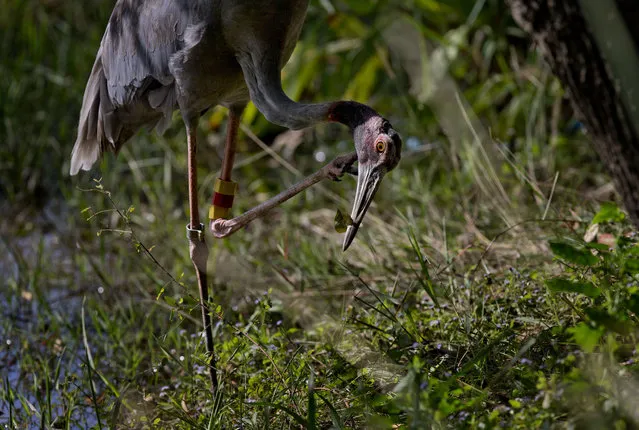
195 234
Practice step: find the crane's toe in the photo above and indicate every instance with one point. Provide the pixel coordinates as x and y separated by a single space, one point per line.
341 165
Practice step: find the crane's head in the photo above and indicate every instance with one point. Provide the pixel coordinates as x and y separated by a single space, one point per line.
378 148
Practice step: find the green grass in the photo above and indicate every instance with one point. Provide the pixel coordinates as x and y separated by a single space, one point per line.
471 298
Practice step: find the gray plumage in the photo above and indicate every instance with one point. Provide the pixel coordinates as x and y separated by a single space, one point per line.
160 55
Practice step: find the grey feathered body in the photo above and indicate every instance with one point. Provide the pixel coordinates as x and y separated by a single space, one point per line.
160 55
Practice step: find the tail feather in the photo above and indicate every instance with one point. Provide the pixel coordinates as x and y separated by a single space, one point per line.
91 138
103 127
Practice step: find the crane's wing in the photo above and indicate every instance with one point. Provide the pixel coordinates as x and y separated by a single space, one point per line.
130 85
138 43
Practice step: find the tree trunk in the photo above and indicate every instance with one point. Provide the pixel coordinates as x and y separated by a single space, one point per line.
591 46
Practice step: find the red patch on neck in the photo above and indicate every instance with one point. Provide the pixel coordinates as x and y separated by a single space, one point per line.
332 117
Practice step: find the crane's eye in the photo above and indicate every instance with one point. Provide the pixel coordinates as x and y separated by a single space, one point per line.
380 145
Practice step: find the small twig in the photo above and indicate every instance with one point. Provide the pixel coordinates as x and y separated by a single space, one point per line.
131 232
552 192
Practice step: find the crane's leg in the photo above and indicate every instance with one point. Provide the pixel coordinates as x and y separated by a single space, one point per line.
225 188
235 114
198 249
333 170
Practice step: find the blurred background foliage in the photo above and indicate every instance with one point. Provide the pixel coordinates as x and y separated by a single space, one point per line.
493 166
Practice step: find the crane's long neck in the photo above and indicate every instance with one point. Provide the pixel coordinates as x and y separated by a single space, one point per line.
265 87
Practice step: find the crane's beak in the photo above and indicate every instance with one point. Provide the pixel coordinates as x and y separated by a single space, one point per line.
369 179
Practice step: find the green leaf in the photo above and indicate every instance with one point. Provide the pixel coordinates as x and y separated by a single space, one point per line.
562 285
516 404
601 247
342 221
631 265
610 322
609 212
571 254
586 336
632 304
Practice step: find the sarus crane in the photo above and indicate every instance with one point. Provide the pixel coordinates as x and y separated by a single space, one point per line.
157 56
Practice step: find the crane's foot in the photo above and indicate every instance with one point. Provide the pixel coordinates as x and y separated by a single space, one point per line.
222 228
334 170
340 166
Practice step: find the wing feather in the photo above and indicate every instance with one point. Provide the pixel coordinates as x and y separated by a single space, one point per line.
130 84
138 44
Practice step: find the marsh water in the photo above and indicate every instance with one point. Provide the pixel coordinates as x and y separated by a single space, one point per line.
39 276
